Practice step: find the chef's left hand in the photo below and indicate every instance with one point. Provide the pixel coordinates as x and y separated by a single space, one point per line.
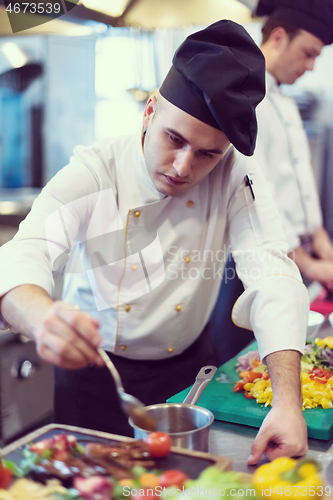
322 246
283 434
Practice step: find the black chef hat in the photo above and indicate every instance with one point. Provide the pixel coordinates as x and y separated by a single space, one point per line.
315 16
218 76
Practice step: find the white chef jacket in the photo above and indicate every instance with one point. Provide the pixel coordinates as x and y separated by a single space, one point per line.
148 266
282 150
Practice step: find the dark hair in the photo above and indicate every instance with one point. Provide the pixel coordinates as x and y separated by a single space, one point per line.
272 23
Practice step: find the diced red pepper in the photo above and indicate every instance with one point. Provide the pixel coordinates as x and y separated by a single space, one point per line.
239 386
252 376
319 380
321 373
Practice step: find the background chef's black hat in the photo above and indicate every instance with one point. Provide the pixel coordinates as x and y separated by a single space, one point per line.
315 16
218 76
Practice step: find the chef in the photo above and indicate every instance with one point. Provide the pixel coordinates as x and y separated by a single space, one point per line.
143 224
294 35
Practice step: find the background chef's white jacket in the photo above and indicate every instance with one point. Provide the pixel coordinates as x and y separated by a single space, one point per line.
282 150
147 266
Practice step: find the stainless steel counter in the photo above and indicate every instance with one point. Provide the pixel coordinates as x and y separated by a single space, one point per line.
235 441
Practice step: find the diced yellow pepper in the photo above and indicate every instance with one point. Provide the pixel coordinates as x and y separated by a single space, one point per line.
327 341
286 477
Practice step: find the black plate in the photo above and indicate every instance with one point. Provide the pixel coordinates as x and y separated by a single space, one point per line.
191 465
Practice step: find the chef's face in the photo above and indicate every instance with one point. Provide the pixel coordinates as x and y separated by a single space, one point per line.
296 56
179 150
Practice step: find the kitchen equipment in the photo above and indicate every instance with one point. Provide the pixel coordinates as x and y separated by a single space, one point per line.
228 406
315 321
26 387
187 424
203 378
330 319
131 406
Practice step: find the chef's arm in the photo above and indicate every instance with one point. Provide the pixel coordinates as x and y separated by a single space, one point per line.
322 245
283 432
314 269
64 335
275 306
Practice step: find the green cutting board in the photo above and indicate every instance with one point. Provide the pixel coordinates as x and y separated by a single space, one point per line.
228 406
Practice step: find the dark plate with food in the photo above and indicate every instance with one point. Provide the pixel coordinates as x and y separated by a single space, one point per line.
79 459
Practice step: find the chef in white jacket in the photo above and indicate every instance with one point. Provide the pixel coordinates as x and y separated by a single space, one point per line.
294 35
143 224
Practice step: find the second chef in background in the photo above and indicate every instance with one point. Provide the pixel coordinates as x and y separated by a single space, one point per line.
293 37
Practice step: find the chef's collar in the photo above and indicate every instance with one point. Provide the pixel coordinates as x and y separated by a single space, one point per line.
271 82
146 185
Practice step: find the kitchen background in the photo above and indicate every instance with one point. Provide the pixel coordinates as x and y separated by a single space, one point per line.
87 76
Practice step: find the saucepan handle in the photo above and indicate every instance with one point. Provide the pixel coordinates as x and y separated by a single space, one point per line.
203 378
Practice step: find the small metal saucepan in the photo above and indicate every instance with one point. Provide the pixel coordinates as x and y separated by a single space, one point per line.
187 424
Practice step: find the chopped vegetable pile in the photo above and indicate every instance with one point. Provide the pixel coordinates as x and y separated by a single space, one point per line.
285 477
316 376
60 468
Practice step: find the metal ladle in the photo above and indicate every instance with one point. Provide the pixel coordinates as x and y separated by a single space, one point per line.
131 405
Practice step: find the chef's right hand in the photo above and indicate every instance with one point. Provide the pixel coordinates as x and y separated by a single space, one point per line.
68 337
64 335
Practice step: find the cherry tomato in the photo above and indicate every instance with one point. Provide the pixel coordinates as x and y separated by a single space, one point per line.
159 444
172 477
5 476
